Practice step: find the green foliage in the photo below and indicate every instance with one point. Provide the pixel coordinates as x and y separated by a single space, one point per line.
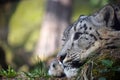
9 73
108 63
95 2
86 7
102 78
38 71
98 2
25 24
106 66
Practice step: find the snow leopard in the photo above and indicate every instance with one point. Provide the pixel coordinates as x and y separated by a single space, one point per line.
86 36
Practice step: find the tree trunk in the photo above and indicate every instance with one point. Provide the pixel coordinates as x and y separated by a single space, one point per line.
6 10
56 18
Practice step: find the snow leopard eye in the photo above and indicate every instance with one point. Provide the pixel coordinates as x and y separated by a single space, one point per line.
77 35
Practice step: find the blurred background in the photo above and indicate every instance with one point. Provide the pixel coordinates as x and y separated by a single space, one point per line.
31 30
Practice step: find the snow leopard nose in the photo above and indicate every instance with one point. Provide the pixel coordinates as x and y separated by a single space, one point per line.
61 57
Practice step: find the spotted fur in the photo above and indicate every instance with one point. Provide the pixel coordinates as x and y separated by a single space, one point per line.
56 69
87 35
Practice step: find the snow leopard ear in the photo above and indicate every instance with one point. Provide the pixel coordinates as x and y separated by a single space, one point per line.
105 16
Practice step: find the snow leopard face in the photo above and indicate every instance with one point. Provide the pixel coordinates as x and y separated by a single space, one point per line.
85 36
80 40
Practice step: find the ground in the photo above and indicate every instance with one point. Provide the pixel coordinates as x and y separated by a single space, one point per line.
104 65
